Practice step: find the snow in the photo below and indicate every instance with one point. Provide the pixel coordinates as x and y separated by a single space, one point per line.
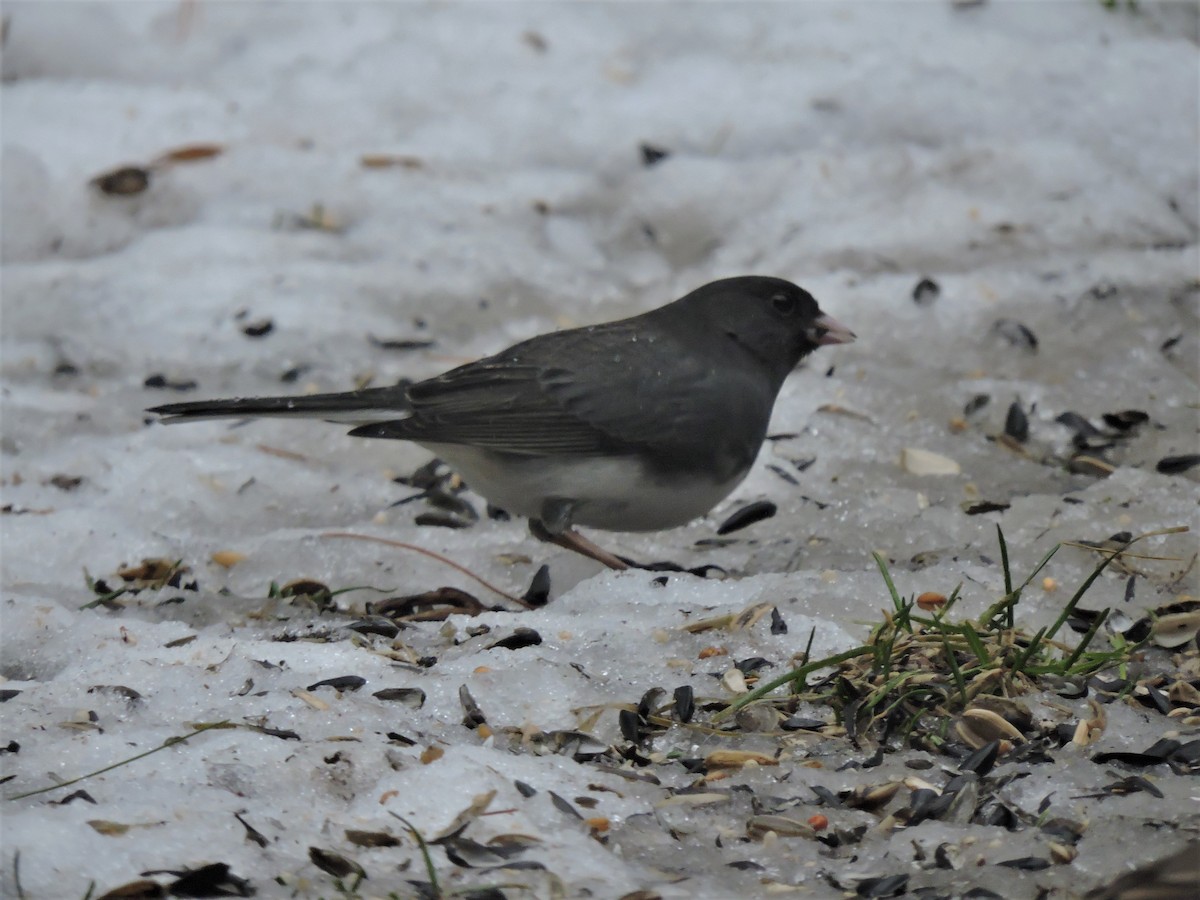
1038 161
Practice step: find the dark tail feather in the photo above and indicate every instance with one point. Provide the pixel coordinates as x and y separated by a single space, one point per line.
350 407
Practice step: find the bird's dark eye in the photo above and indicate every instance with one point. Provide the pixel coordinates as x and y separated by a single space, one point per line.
784 304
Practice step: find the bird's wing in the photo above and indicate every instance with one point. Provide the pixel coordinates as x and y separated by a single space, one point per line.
493 405
589 391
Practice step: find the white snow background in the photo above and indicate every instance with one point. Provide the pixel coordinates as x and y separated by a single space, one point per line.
1038 161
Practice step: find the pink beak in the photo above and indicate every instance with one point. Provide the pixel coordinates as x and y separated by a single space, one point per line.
828 330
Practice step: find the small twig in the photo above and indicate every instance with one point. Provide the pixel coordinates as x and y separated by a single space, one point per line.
281 453
1109 555
1173 584
169 742
387 542
1083 589
1122 553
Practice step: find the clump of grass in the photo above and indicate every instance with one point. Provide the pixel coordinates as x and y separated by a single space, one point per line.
926 667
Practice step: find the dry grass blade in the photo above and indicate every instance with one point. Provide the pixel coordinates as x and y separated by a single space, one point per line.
169 742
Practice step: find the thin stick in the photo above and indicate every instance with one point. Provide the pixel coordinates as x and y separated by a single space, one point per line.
1109 555
1122 553
387 542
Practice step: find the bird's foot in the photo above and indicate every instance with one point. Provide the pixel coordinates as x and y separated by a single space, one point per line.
573 540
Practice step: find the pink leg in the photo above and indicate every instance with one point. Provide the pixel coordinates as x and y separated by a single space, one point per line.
573 540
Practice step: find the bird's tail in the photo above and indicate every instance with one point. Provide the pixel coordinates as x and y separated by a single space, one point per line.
349 407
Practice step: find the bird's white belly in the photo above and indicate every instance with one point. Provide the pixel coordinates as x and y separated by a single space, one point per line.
606 493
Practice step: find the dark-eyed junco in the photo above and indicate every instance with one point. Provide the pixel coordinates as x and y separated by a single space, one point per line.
635 425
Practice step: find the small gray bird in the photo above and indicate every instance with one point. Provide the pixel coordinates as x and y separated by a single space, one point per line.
636 425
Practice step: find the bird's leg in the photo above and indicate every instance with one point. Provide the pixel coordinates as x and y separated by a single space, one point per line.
573 540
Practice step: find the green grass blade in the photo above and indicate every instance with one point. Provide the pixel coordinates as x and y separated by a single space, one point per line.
1039 567
430 869
794 675
1087 639
887 579
1008 588
955 669
1018 664
169 742
967 630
